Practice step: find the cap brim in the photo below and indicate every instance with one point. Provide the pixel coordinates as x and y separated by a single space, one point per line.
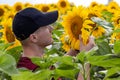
49 18
52 16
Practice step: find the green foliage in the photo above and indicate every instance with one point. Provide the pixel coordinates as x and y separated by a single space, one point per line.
116 31
4 46
8 64
107 15
15 52
103 46
64 66
104 61
27 75
70 74
81 56
117 47
105 24
112 71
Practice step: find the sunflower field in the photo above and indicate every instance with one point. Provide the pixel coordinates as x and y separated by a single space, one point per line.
97 20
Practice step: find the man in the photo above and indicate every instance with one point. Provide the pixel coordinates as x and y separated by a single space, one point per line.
32 28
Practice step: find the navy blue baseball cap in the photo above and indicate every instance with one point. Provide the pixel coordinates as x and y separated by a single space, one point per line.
29 20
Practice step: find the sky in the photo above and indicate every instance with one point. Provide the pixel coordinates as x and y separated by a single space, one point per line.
76 2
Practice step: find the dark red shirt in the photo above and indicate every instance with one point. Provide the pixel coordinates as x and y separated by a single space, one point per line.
25 62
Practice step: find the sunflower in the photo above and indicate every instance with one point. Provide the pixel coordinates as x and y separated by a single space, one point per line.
14 44
8 37
115 36
6 7
93 4
113 6
96 29
63 6
73 23
17 6
2 11
44 7
86 30
6 22
27 4
53 6
116 19
7 34
94 12
116 23
112 40
65 41
99 31
103 8
37 6
9 14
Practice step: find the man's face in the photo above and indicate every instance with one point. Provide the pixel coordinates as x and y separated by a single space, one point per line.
44 36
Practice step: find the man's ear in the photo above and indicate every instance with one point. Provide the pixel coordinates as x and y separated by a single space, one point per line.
33 37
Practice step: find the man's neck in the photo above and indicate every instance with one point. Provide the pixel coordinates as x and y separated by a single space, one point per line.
33 51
